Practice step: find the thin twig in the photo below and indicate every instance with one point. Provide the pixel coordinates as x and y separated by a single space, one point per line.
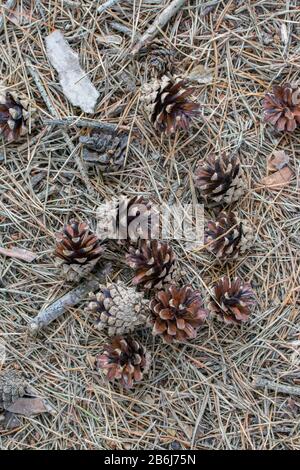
123 29
159 23
106 5
260 382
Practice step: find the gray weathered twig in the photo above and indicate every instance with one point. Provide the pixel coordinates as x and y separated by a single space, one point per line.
72 298
123 29
260 382
70 121
106 5
8 6
159 23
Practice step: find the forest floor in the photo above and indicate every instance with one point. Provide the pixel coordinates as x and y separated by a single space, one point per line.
201 395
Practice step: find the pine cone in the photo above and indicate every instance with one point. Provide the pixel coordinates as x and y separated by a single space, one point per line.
154 263
120 309
177 313
158 58
124 359
228 236
167 104
232 301
14 116
106 149
282 107
12 387
144 213
78 250
220 179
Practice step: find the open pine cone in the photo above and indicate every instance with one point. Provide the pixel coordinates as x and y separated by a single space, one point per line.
124 359
14 116
282 107
120 309
220 179
78 249
232 301
106 150
177 313
137 218
154 263
228 236
167 104
157 57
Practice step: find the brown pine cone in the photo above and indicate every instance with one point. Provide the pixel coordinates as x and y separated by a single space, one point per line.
120 309
220 179
12 387
232 301
167 104
282 107
154 263
158 58
177 313
137 218
106 149
78 249
124 359
14 116
228 236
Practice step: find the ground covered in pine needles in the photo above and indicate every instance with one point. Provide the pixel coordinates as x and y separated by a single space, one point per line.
204 395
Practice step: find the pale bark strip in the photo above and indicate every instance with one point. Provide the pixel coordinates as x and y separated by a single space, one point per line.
158 24
70 121
18 253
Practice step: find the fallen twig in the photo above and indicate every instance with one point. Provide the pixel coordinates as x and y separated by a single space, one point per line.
159 23
18 253
106 5
54 113
123 29
70 121
8 6
72 298
260 382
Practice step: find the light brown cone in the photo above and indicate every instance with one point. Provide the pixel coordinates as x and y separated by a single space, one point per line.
119 309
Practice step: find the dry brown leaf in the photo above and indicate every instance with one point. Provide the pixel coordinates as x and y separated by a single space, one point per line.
30 407
18 253
279 179
201 74
277 160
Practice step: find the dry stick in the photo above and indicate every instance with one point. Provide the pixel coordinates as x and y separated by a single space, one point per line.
158 24
260 382
8 6
106 5
70 121
70 299
123 29
54 113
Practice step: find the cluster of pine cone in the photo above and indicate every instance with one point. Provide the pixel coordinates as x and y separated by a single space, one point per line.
157 299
